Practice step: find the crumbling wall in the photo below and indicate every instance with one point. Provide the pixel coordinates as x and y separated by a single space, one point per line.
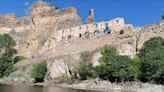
147 32
50 31
115 25
91 18
7 20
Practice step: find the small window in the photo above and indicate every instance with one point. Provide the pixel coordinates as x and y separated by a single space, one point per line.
122 32
69 36
117 21
80 35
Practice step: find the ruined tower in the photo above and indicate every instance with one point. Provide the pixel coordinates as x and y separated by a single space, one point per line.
90 18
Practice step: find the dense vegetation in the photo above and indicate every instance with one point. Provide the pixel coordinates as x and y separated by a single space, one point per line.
147 66
85 69
7 53
19 58
152 60
39 71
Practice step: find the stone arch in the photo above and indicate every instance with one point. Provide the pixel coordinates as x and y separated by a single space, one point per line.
86 34
107 31
96 32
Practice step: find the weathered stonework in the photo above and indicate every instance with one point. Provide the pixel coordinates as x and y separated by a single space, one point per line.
7 20
91 18
51 31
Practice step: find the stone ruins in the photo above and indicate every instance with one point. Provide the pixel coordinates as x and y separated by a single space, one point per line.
52 31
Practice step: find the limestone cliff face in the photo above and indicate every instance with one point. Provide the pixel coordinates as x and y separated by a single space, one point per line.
32 32
7 20
57 34
49 31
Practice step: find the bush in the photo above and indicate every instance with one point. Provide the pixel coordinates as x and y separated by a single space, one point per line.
39 71
124 68
86 70
152 59
150 45
7 53
103 71
109 53
147 65
6 68
115 66
86 57
18 58
152 64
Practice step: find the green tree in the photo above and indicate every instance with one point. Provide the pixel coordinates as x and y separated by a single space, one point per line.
39 71
109 53
104 71
7 53
123 68
117 67
152 65
152 59
150 45
86 70
86 57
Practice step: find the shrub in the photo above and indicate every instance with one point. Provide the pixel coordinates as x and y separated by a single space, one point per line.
150 45
7 53
86 70
39 71
109 53
115 66
152 60
6 68
104 71
18 58
86 57
152 64
124 68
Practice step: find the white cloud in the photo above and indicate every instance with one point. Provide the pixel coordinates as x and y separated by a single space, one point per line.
26 3
26 10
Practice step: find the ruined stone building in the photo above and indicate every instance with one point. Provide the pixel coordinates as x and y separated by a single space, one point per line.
51 31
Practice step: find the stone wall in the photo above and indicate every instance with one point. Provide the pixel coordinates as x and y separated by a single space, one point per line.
49 31
147 32
7 20
115 25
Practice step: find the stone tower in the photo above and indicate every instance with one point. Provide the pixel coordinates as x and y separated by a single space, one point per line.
90 18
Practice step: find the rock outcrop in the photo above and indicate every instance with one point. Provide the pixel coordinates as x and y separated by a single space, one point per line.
58 33
51 31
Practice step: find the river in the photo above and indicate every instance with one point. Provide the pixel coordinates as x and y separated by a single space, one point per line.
13 88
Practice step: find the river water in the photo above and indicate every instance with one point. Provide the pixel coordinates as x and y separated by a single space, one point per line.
11 88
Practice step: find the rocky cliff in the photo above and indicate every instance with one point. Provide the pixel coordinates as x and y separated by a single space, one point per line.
58 35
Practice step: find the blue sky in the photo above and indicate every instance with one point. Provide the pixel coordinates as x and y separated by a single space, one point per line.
136 12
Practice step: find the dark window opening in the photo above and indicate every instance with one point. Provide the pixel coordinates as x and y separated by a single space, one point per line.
69 36
80 35
122 32
117 21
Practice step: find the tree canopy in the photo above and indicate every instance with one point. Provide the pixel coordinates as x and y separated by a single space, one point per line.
7 53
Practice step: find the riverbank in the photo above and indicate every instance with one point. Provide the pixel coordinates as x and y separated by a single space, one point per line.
97 86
